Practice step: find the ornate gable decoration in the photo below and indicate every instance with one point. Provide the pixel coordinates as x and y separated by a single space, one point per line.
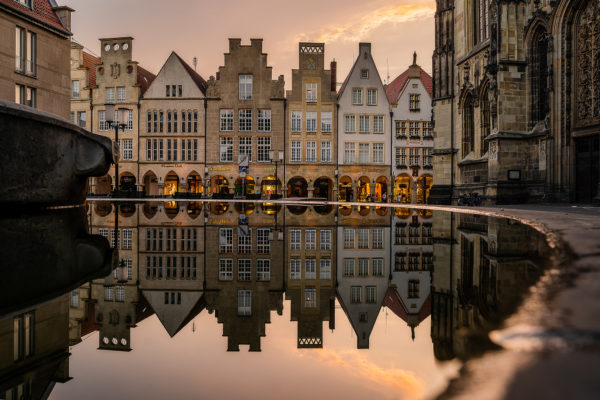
588 65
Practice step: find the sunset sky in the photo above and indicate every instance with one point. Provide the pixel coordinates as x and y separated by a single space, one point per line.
201 29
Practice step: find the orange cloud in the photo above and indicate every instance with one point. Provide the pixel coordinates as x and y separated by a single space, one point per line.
405 382
395 13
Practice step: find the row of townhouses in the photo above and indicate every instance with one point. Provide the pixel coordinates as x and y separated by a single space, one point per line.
240 133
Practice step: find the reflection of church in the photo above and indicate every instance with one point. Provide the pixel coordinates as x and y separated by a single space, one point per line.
517 100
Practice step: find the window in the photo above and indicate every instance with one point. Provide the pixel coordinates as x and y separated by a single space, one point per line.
377 235
310 268
127 149
357 96
427 157
325 236
400 128
325 268
127 238
195 122
263 244
245 301
325 121
326 151
378 153
377 265
348 266
348 238
401 157
108 293
120 95
75 298
189 149
413 289
310 297
311 92
226 269
226 121
172 149
225 240
129 266
413 157
480 21
349 123
264 120
244 270
110 95
363 238
120 293
245 147
245 87
310 239
364 74
296 153
175 121
25 95
115 238
168 90
414 131
245 120
414 102
25 51
263 270
173 90
75 89
180 91
295 269
81 119
378 124
226 149
363 153
372 97
311 121
363 267
23 335
295 239
244 242
349 153
296 121
364 122
264 146
356 294
311 151
154 149
72 117
371 295
20 49
182 121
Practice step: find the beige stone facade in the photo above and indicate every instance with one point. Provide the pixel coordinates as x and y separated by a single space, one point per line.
34 55
311 145
245 116
515 101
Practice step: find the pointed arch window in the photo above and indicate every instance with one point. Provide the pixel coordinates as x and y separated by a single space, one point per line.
539 78
484 107
468 126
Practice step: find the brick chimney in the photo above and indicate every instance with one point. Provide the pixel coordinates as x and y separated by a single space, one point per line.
333 67
64 15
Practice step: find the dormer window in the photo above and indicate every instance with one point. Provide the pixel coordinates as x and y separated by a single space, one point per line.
364 74
26 3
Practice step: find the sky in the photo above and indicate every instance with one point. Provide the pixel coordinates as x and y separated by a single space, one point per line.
198 28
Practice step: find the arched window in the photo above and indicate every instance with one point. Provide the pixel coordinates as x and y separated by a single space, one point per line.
481 21
484 107
468 139
538 78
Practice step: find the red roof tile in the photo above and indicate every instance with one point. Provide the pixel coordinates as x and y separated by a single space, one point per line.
90 62
394 89
394 302
144 78
194 75
42 11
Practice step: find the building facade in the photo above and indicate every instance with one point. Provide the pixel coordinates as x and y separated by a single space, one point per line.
311 144
172 135
34 54
412 134
245 122
516 104
364 138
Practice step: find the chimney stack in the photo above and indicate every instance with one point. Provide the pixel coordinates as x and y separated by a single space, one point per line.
333 67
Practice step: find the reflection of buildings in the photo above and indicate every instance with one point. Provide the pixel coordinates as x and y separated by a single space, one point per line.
362 275
310 276
412 251
410 95
244 272
363 132
312 141
34 350
483 267
245 119
172 133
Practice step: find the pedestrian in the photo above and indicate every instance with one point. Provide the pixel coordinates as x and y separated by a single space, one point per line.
384 197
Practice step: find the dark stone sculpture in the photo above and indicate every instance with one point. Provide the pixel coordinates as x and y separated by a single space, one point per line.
46 160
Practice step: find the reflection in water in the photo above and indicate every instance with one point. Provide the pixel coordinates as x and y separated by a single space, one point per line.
240 263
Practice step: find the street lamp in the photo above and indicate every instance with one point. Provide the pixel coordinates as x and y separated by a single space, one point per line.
279 160
121 116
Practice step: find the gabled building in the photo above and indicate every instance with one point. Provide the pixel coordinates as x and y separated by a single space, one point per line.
174 308
364 134
311 144
34 54
172 132
412 141
245 122
83 82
